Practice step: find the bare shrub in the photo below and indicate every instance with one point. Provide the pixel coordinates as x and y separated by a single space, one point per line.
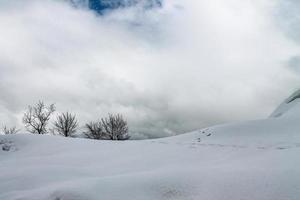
94 131
115 127
65 124
36 118
8 131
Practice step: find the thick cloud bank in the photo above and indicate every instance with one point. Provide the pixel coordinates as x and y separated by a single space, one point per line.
186 65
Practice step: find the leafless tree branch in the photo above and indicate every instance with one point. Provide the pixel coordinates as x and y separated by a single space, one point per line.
8 131
66 124
36 117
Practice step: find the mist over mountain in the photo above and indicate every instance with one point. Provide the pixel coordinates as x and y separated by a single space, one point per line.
168 70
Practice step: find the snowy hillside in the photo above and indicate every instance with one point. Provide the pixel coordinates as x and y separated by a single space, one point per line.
255 160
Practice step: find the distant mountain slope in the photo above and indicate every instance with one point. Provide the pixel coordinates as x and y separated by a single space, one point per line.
289 106
280 130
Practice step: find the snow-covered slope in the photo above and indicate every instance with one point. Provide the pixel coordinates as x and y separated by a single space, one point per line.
289 108
256 160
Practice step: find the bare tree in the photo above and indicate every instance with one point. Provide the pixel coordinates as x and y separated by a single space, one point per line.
94 131
115 127
8 131
65 124
36 118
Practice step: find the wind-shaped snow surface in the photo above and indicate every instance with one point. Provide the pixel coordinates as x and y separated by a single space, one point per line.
256 160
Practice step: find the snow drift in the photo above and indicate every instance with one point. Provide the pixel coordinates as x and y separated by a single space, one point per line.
248 160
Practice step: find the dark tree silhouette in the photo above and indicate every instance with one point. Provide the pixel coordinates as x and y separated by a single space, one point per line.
65 124
94 131
115 127
8 131
36 118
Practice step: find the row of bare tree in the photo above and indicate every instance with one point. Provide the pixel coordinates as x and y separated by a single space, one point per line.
36 120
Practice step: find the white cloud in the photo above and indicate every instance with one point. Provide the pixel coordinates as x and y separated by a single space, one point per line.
170 70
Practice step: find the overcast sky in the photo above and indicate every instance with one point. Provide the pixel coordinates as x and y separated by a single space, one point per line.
187 65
